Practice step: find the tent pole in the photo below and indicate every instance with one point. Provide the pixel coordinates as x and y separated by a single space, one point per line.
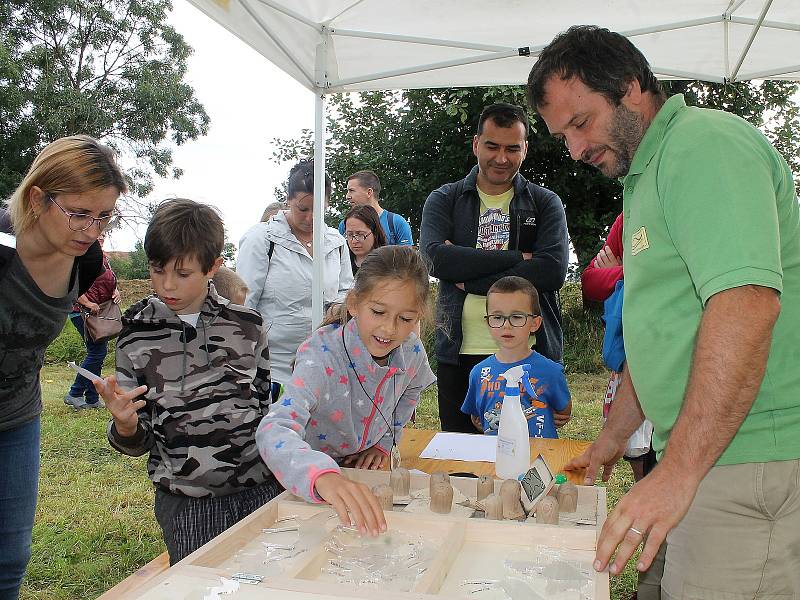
749 43
318 273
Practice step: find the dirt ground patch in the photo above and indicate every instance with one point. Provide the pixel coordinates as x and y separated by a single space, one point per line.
133 290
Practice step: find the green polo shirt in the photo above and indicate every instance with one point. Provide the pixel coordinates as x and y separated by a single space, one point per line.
710 205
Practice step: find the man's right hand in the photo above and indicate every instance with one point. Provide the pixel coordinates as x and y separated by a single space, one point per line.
347 496
121 404
605 452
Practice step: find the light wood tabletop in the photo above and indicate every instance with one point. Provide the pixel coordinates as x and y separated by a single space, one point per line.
557 453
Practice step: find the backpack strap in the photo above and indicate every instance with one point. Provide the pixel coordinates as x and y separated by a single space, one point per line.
392 230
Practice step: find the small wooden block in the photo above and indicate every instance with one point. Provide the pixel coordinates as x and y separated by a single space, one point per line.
400 480
485 486
510 495
493 507
567 497
441 497
547 511
384 495
438 476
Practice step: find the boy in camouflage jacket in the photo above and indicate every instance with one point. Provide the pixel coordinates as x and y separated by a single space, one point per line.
202 367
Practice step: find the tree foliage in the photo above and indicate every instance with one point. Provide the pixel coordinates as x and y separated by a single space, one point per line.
417 140
112 69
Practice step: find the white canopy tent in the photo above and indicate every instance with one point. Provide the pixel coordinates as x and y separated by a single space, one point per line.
356 45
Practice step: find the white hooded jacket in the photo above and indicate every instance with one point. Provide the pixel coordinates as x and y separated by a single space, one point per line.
280 286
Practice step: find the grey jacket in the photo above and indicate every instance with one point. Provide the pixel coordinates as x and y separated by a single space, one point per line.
324 413
451 213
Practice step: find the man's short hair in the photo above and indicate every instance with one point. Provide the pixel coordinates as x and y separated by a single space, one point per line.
511 284
367 179
504 115
228 283
183 228
605 61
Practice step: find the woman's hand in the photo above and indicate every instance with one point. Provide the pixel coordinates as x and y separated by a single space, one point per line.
371 458
115 296
92 307
349 498
121 404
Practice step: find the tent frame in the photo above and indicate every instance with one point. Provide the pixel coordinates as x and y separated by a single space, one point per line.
322 83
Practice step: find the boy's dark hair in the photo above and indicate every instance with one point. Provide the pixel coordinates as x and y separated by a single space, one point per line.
504 115
183 228
605 61
301 180
511 284
368 179
370 217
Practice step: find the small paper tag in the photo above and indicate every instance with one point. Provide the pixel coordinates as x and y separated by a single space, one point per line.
394 458
505 446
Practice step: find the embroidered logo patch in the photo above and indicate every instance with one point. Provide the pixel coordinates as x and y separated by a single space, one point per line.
639 241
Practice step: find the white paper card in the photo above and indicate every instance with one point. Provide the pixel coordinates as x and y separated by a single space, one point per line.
461 446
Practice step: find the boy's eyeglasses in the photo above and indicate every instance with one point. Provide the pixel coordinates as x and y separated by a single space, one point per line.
516 320
357 236
80 221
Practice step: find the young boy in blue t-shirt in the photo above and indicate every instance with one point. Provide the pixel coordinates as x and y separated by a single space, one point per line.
513 315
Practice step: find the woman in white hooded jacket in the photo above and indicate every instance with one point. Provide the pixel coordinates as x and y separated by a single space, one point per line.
275 261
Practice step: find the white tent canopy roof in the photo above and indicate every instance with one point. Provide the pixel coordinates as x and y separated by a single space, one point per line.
378 44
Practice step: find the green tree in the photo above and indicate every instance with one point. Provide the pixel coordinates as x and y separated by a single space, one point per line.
112 69
417 140
135 267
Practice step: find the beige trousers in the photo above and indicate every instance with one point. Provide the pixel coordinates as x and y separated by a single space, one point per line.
740 538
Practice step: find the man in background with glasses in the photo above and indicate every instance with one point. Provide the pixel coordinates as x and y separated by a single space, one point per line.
513 315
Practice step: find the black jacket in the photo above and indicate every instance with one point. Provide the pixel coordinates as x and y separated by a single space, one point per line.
451 213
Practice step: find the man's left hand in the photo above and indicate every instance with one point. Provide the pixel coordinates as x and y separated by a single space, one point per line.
647 513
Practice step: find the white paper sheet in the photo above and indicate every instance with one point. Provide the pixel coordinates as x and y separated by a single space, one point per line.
461 446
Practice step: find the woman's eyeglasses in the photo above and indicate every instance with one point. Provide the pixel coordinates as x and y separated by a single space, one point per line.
80 221
516 320
357 236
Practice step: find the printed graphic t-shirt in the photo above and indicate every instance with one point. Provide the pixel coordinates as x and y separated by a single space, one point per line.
493 233
487 387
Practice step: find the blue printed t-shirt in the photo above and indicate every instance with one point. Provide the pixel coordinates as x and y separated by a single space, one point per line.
487 388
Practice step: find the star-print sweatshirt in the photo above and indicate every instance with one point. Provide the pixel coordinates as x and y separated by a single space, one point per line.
325 415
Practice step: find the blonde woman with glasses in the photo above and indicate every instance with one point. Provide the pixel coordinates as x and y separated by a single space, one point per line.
49 255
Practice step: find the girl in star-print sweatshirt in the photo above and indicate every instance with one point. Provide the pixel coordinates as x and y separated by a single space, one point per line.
353 387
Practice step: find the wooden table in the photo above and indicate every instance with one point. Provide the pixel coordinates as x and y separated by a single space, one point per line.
557 453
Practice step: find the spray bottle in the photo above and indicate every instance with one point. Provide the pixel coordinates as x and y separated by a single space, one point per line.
513 442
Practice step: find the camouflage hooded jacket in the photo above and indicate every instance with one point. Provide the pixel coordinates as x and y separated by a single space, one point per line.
208 388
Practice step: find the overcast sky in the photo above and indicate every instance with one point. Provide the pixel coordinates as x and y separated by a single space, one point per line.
249 101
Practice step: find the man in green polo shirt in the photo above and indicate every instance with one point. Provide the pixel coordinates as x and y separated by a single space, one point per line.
711 321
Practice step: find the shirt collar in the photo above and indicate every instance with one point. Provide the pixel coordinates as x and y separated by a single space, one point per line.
655 134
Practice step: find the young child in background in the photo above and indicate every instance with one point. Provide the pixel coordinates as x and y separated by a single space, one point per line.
229 285
353 388
512 315
201 365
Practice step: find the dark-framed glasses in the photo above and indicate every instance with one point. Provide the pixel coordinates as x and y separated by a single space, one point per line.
516 320
80 221
357 236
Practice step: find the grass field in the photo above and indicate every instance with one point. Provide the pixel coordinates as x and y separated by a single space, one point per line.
95 523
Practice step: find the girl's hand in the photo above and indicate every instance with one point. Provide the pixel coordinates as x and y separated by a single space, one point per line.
121 404
347 496
371 458
115 296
